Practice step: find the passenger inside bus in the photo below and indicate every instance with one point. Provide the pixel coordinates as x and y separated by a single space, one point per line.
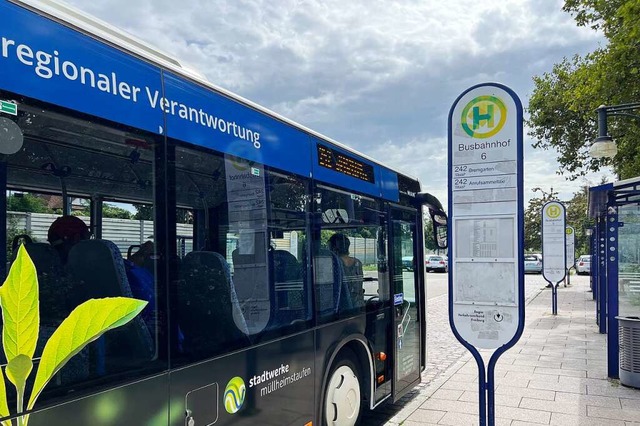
65 232
141 280
352 273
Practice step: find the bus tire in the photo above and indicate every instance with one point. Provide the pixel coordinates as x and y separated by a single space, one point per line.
343 392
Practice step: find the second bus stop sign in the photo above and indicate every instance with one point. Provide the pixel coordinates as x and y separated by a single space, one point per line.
486 280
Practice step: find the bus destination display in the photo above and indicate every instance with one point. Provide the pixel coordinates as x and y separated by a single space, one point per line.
334 160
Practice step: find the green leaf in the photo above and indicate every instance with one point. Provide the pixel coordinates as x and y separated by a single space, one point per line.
4 407
20 308
18 370
85 324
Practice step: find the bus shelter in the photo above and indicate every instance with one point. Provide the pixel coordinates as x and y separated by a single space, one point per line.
615 259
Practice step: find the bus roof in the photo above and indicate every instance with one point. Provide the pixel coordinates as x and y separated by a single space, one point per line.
122 40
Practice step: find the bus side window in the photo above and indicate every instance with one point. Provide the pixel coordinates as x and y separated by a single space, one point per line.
347 253
209 314
291 305
74 171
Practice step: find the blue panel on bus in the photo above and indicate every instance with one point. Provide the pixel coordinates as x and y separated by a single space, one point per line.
42 59
336 175
202 117
389 184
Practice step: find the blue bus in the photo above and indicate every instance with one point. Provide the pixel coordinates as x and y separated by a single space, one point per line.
201 260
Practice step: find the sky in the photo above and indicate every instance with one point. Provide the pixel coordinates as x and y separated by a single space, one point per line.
378 76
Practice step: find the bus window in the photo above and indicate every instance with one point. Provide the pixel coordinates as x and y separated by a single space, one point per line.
287 224
349 257
211 300
56 186
243 228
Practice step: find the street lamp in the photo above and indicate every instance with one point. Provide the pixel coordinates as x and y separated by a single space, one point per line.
604 146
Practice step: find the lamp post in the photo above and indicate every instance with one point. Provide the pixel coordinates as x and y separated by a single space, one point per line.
604 146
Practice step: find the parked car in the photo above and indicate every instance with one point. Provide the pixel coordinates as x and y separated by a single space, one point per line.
532 263
583 265
436 263
407 263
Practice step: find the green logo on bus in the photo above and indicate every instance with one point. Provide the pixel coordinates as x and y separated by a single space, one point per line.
234 395
483 117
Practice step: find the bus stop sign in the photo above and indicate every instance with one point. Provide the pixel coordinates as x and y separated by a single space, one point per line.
554 256
486 279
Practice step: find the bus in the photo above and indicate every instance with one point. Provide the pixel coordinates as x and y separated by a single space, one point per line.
200 259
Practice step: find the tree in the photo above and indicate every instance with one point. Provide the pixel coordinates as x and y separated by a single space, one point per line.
108 210
577 217
429 240
27 203
533 219
144 212
562 106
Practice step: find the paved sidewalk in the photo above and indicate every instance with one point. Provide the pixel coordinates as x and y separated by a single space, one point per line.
555 375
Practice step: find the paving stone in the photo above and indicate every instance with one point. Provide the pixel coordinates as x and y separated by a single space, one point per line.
459 419
558 386
501 399
447 394
560 419
548 395
594 400
461 377
524 414
560 372
464 386
568 407
426 416
450 406
613 413
608 389
630 404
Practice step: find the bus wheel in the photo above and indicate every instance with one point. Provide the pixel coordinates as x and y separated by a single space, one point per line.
343 396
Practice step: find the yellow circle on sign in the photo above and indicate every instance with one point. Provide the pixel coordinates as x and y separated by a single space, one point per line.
483 116
554 211
569 231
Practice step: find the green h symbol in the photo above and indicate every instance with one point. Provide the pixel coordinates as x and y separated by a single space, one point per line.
487 116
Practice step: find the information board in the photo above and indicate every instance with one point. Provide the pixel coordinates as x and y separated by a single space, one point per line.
571 247
554 259
486 279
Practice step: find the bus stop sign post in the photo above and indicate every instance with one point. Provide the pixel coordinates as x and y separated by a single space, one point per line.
571 252
486 280
554 248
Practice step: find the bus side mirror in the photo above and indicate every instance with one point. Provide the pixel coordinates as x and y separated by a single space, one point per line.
439 220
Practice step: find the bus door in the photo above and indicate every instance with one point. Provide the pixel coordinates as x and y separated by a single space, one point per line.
404 286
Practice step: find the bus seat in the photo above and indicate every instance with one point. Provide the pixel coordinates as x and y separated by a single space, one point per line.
328 282
56 303
54 287
290 299
97 270
209 314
